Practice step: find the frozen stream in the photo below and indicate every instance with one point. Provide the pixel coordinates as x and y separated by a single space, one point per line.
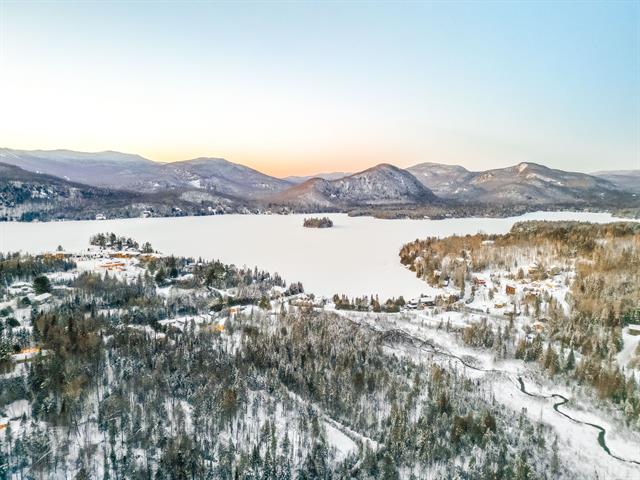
358 256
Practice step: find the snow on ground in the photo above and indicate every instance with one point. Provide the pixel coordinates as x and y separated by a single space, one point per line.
343 444
358 256
15 410
630 344
578 442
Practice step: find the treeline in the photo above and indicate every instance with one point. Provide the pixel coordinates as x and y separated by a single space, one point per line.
111 240
315 222
21 267
368 303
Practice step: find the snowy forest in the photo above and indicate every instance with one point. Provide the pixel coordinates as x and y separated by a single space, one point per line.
579 320
119 364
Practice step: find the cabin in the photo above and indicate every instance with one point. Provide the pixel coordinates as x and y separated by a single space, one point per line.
100 216
479 281
509 290
118 266
29 350
26 354
124 255
218 328
634 329
41 299
20 288
56 256
427 301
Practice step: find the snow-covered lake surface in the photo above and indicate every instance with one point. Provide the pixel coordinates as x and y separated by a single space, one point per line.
358 256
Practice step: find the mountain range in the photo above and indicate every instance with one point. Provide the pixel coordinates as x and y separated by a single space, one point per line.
521 183
203 185
624 179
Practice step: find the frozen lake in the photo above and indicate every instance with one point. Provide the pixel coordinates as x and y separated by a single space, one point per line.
358 256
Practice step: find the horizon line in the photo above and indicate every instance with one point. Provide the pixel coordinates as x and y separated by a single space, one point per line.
311 175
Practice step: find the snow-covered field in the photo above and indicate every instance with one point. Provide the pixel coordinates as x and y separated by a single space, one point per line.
358 256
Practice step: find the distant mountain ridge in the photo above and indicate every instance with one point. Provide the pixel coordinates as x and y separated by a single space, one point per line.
296 179
225 177
521 183
216 181
132 172
383 184
628 180
26 195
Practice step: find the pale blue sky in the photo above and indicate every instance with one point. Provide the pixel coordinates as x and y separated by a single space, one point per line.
296 88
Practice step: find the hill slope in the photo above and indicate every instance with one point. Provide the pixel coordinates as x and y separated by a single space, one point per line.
122 171
628 180
525 183
220 175
382 185
27 195
443 180
530 182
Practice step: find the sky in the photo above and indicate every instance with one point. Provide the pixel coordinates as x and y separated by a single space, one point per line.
295 88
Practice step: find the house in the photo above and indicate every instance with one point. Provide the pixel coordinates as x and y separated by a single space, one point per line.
509 290
56 256
27 354
427 301
119 266
302 302
100 216
479 281
218 328
20 288
122 255
412 304
41 299
534 269
634 329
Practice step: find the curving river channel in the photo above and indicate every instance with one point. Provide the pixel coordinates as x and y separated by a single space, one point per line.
564 400
399 335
